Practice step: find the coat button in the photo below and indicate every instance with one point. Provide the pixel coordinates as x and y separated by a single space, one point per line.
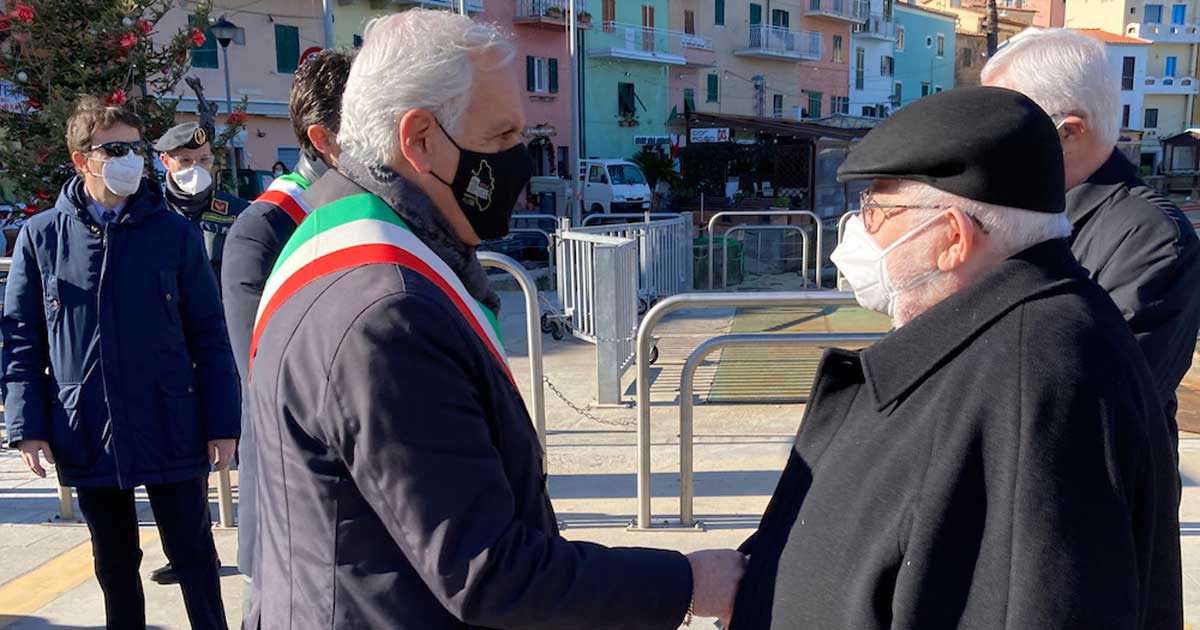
191 389
169 297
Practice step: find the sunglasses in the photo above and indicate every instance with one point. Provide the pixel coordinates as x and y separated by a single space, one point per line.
120 149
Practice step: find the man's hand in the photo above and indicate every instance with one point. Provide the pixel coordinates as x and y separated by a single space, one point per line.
716 574
29 454
220 453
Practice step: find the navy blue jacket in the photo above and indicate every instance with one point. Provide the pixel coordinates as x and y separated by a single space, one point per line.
115 348
400 477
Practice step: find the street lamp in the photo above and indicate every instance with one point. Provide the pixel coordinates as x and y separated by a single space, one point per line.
225 32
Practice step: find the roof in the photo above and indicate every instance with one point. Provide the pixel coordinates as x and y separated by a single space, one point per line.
1105 37
777 126
1191 138
927 9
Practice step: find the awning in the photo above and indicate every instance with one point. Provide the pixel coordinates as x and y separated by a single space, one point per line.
776 126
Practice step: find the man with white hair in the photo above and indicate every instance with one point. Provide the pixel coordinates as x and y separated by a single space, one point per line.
999 460
1134 242
401 482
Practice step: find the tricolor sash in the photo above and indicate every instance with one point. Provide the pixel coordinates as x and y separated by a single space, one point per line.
363 230
286 192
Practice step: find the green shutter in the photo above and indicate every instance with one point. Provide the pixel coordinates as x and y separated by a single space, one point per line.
204 56
814 104
689 100
287 48
553 75
755 14
530 74
713 89
719 11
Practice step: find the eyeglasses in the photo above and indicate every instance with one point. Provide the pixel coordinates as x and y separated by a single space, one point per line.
120 149
873 213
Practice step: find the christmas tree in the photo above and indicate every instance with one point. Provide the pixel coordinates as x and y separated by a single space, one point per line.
54 51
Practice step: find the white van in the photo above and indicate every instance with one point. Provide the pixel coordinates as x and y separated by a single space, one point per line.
613 186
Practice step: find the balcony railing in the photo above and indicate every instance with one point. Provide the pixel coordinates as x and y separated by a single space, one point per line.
844 10
641 43
780 43
548 13
1188 32
473 6
1171 85
876 27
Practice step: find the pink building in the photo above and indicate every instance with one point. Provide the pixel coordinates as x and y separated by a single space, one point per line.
830 75
540 33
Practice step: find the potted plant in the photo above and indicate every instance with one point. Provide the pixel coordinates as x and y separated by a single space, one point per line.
628 120
554 12
585 18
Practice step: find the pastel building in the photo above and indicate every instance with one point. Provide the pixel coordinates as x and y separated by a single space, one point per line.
872 59
825 81
925 53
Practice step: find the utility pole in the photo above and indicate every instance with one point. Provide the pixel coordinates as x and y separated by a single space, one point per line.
573 189
993 28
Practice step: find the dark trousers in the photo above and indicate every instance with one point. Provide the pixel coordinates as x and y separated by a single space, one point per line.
185 525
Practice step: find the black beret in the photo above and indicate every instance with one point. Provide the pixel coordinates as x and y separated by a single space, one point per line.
186 136
987 144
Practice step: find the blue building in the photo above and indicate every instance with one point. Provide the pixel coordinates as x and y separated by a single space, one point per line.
925 49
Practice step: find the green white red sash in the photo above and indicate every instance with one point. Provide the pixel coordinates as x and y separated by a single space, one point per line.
362 230
286 192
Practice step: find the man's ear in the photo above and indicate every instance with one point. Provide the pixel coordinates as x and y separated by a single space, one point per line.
416 128
323 139
1073 128
79 161
962 240
165 159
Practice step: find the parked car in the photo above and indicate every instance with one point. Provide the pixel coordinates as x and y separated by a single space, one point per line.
613 186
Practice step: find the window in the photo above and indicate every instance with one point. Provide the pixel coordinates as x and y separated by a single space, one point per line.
839 104
564 154
1151 118
814 5
535 74
837 49
755 14
1154 14
625 175
860 59
289 156
719 12
648 15
552 71
887 66
689 100
929 42
358 41
780 19
777 105
1169 66
608 14
941 49
814 104
287 48
1178 13
596 174
925 88
899 38
689 22
1127 65
968 57
204 56
713 92
868 111
937 88
626 100
898 94
1125 117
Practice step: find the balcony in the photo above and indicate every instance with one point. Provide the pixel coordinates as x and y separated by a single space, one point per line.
1188 33
473 6
852 11
778 43
876 27
547 14
630 42
698 50
1171 85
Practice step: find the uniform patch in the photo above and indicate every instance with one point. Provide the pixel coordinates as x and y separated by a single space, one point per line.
220 207
213 217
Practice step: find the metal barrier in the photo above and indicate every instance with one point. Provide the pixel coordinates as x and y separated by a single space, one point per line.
549 244
645 343
687 485
533 331
645 216
598 289
664 253
841 233
766 213
768 228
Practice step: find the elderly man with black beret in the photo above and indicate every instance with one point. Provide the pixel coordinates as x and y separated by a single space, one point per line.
1001 459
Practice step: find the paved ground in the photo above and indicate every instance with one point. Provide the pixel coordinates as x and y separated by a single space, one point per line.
45 565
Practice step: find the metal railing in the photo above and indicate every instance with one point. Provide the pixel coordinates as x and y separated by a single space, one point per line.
759 228
598 289
645 342
781 40
766 213
687 484
533 330
553 9
664 252
639 40
877 26
600 217
845 9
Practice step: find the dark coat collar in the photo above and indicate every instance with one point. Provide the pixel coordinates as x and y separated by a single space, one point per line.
147 201
190 206
1083 200
896 364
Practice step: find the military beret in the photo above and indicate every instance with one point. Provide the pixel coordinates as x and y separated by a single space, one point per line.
186 136
988 144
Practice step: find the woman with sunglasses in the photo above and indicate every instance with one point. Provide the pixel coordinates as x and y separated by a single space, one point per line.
118 367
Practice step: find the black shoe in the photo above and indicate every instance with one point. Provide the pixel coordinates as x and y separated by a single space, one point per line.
164 575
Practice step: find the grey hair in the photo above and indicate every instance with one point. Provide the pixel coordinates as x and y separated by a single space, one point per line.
1010 230
420 58
1064 72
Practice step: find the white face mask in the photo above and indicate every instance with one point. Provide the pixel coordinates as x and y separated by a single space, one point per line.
123 176
193 179
865 266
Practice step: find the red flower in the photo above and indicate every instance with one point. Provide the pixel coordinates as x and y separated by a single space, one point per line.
197 37
116 98
238 117
43 194
128 41
32 104
30 209
23 13
145 26
5 23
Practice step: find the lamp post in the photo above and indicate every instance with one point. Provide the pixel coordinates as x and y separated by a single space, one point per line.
225 32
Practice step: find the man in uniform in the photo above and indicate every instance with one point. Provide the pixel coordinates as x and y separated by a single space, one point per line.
186 153
1001 459
260 233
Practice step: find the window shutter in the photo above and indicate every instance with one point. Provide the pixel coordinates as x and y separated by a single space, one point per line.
553 65
204 56
530 74
719 11
713 91
287 48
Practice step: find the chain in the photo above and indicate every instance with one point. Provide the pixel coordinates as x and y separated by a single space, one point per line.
585 411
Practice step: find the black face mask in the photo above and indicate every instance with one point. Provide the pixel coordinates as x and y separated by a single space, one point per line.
487 186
